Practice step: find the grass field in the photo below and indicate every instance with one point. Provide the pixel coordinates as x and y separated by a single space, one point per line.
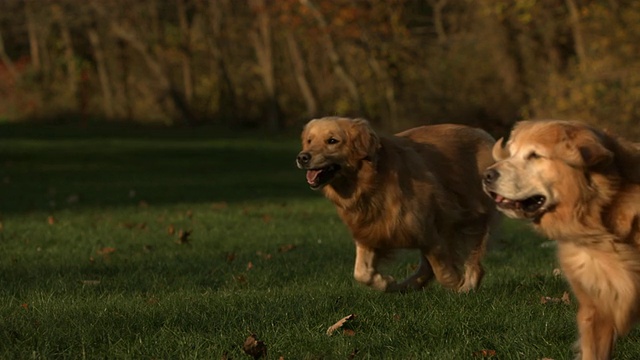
179 244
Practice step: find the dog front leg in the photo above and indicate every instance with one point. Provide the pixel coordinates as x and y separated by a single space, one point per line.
586 322
365 271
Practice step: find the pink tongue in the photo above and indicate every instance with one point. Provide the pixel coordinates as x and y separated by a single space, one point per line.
312 175
499 198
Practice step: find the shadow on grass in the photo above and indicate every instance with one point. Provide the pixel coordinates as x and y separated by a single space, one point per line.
55 167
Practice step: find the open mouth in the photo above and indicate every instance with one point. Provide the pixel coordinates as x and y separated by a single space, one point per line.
318 177
528 206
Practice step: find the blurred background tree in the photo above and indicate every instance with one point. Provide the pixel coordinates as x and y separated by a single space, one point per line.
275 64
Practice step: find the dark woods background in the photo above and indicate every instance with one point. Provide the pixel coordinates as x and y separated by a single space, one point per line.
276 63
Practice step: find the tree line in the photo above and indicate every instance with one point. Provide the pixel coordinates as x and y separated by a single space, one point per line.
277 63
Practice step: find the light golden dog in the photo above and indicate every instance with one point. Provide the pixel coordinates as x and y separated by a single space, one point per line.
580 187
420 189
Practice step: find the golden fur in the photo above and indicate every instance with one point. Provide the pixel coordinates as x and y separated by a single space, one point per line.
420 189
580 187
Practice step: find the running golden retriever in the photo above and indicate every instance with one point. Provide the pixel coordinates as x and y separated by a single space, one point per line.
580 187
420 189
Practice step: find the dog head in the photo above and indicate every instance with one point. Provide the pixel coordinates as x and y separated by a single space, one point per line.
543 165
333 147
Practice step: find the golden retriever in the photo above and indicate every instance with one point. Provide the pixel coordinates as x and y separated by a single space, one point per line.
420 189
580 187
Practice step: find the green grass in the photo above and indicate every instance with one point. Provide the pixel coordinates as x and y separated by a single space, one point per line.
89 266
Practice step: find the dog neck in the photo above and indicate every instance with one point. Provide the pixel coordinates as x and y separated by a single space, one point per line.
353 186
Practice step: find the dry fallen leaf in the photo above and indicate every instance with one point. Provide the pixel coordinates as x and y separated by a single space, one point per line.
219 205
254 347
249 265
171 230
340 323
240 278
183 236
565 299
485 353
557 272
265 256
286 248
106 251
348 332
51 220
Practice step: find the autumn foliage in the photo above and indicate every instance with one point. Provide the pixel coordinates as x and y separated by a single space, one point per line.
277 63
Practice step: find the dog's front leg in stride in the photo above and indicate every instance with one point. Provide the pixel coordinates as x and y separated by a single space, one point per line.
365 270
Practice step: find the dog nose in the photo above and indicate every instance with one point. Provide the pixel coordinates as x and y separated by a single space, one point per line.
304 158
490 175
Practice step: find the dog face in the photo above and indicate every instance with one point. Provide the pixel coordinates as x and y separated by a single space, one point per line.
333 147
545 164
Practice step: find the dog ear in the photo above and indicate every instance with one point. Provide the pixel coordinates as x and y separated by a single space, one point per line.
499 152
365 140
586 149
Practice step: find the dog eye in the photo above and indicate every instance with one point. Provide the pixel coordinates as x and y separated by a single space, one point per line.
533 155
332 141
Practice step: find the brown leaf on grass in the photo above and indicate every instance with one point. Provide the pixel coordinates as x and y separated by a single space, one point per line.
254 347
557 272
129 225
265 256
240 278
171 230
340 323
266 218
249 265
484 353
353 354
106 251
51 220
183 237
348 332
565 299
286 248
25 306
219 205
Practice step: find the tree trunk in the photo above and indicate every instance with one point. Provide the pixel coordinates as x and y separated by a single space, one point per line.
6 60
438 23
69 53
299 69
185 34
103 75
336 61
576 29
34 46
227 102
262 43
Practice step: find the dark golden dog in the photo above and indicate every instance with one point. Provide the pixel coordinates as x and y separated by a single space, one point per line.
580 187
420 189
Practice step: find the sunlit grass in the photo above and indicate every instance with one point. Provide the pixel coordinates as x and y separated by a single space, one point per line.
92 264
